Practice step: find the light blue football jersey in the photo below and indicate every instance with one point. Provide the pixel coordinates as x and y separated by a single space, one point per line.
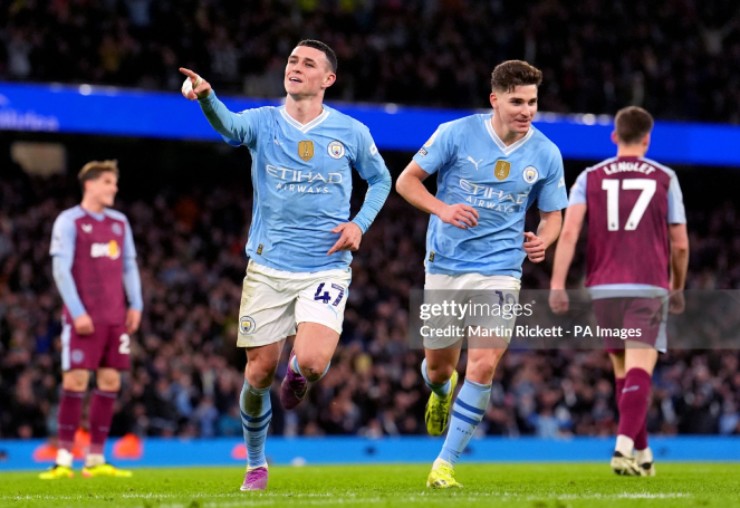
474 167
302 180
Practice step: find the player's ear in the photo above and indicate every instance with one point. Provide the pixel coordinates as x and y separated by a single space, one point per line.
329 79
646 141
493 99
615 138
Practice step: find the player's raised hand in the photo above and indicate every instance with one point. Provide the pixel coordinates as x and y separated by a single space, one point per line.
534 247
350 237
194 87
459 215
83 325
559 301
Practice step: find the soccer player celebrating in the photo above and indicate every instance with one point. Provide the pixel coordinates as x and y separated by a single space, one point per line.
94 265
637 253
490 169
301 238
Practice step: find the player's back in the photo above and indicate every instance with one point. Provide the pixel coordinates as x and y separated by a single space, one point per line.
628 207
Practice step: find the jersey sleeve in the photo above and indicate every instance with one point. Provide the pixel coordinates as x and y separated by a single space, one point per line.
436 152
63 236
131 278
62 250
371 167
235 128
552 195
676 210
578 191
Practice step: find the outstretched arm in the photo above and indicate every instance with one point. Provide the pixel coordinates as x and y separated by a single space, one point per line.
410 185
232 126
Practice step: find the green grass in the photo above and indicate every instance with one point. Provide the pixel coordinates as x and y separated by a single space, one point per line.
490 485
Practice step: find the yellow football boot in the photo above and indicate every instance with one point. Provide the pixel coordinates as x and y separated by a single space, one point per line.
437 412
442 476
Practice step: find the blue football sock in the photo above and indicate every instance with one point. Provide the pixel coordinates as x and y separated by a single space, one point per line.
256 413
467 412
440 389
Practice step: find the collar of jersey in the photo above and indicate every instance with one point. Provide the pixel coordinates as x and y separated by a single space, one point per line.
304 127
97 216
507 149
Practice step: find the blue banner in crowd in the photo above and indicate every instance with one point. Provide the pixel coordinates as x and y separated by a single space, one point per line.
85 109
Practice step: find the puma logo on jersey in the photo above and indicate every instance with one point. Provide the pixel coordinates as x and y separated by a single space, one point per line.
474 162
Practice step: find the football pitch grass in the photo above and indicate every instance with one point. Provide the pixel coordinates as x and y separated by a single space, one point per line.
552 485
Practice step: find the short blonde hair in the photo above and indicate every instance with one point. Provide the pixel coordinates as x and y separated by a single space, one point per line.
93 169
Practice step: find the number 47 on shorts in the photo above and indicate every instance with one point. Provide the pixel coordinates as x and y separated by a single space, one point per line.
326 297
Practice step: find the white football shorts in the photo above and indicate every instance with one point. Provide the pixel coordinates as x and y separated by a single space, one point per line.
274 302
479 307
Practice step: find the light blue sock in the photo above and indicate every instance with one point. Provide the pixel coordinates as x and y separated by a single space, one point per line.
440 389
467 412
256 412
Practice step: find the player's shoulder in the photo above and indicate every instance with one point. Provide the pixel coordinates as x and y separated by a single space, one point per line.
542 142
473 121
338 119
115 214
71 214
459 127
599 165
660 167
260 113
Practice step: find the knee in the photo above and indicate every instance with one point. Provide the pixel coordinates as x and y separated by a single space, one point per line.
313 369
109 382
76 380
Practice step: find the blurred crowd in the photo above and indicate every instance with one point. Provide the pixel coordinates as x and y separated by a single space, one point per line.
187 372
678 58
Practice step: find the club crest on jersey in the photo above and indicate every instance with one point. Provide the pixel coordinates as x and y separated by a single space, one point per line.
305 150
501 169
336 150
530 174
78 356
117 229
246 325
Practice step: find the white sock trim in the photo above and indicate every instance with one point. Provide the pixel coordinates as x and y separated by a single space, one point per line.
64 457
94 459
624 445
644 456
